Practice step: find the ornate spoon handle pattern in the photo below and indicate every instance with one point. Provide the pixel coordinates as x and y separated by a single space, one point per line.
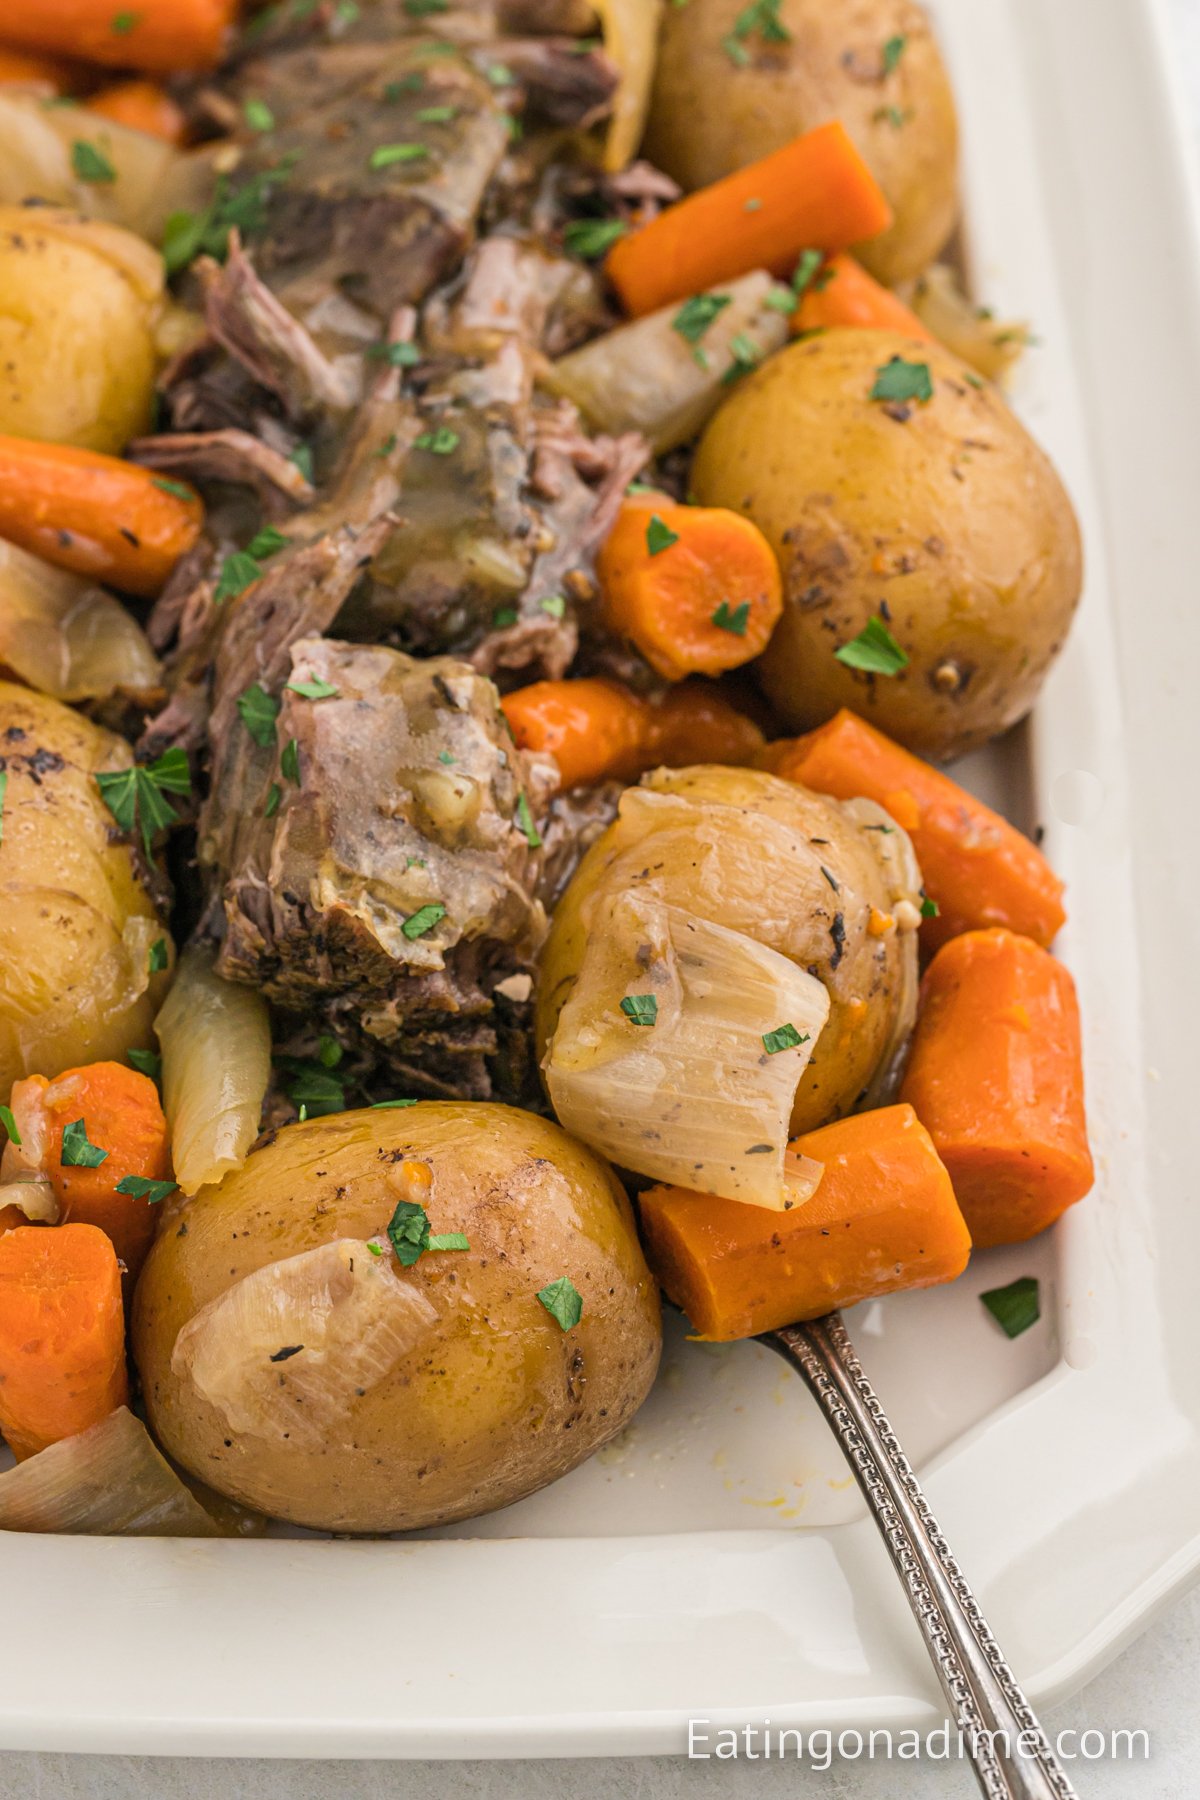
1008 1748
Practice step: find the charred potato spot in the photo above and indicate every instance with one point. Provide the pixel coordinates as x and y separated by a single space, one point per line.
976 572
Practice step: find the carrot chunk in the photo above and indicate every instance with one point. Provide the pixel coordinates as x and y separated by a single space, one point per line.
162 36
109 1109
27 67
884 1217
696 589
996 1076
62 1334
977 868
814 193
598 730
143 106
95 514
842 293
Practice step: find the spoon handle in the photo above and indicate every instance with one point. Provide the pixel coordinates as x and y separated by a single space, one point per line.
1008 1748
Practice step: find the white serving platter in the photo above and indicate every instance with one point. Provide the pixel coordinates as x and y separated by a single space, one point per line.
717 1562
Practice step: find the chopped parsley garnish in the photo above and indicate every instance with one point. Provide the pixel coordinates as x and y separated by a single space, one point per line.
874 651
421 9
893 50
267 542
274 796
929 908
408 84
784 1037
387 1105
159 957
973 380
10 1125
592 238
1015 1307
895 116
697 314
418 924
504 616
387 446
77 1153
186 234
176 489
302 458
554 604
746 357
659 536
525 821
124 22
437 115
316 689
444 756
640 1009
563 1301
258 115
448 1240
138 794
314 1088
411 1237
289 762
146 1062
780 300
140 1187
402 355
239 571
500 75
259 712
346 11
385 155
442 442
900 380
91 164
807 269
733 619
761 16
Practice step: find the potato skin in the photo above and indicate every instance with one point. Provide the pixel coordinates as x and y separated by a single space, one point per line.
77 354
76 919
499 1400
945 517
871 980
708 116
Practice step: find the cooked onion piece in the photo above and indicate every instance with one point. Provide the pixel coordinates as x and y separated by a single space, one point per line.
676 1083
31 1194
988 344
286 1350
216 1049
109 1481
68 638
664 381
630 32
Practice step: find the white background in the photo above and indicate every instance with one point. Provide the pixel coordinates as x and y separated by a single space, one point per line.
1153 1686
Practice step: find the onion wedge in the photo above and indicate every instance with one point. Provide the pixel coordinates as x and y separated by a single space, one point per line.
109 1481
629 29
216 1048
68 638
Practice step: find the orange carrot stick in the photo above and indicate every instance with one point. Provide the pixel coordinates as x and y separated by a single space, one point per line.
598 730
696 589
161 36
62 1335
884 1217
979 869
27 67
815 193
95 514
996 1075
842 293
143 106
122 1116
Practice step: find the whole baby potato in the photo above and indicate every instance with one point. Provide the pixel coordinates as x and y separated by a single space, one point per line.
77 921
940 518
832 887
78 302
297 1371
726 93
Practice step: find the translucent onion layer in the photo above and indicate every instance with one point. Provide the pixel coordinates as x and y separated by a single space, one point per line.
68 638
216 1049
109 1481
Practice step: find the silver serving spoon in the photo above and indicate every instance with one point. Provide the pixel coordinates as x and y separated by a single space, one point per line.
1009 1751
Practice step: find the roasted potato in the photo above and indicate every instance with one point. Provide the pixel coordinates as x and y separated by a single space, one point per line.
833 889
76 919
78 304
725 95
299 1372
941 518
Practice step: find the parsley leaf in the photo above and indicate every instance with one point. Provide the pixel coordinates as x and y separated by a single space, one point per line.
258 115
746 357
421 922
563 1301
555 605
159 957
734 619
524 816
146 1062
259 712
267 542
139 1187
1015 1307
807 269
411 1237
91 164
697 314
302 457
316 689
592 238
900 380
136 795
313 1087
175 488
442 442
448 1240
893 50
386 1105
77 1153
124 22
289 762
784 1037
402 355
659 536
761 16
640 1009
929 908
385 155
437 115
10 1125
274 796
874 650
420 9
238 572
